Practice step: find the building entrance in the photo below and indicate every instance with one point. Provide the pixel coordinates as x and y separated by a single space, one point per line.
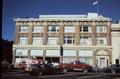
52 59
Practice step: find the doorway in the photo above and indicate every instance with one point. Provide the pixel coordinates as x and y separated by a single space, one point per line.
52 59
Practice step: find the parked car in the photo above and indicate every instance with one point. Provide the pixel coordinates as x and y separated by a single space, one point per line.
22 65
75 66
114 68
43 69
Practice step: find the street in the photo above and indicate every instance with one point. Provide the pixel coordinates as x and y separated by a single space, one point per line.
20 74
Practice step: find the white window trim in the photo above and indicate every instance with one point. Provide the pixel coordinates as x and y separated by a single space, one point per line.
104 41
37 40
69 53
38 29
89 41
24 28
69 28
51 53
21 52
103 27
36 52
56 28
66 39
23 40
89 28
53 40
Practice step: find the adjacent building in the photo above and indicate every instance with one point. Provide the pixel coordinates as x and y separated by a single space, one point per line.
115 37
83 37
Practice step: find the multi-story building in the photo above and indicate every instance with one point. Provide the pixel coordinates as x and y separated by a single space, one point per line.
115 37
83 37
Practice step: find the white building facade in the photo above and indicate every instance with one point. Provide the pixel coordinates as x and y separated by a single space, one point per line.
115 42
83 37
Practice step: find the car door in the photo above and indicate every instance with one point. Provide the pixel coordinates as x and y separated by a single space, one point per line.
48 69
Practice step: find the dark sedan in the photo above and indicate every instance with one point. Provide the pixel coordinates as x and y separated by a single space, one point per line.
114 68
43 69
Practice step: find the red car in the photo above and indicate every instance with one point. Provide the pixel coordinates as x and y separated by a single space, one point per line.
22 65
75 66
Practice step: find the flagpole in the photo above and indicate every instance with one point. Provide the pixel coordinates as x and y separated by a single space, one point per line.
98 7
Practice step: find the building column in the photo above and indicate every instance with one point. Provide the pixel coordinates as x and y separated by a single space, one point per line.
77 54
110 56
94 57
61 34
93 34
44 54
17 33
108 34
14 56
30 34
77 35
61 40
45 35
29 53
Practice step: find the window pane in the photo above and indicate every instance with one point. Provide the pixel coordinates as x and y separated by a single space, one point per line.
69 29
101 40
53 28
52 53
85 40
68 40
36 52
24 28
69 53
37 40
23 40
101 28
85 28
53 40
38 29
21 52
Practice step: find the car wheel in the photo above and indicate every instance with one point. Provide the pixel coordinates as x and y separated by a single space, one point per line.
113 71
65 70
85 70
57 72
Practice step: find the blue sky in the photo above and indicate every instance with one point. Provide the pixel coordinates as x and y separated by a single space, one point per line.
33 8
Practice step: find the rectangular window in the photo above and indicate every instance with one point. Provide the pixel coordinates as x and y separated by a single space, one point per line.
53 40
68 40
86 56
69 53
101 41
23 40
51 53
101 29
69 29
53 28
24 28
68 59
36 52
38 29
87 60
85 28
85 40
21 52
37 40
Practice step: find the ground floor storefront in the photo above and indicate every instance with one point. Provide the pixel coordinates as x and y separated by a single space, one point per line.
95 56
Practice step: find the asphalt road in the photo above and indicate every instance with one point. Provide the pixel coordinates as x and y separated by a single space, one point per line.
19 74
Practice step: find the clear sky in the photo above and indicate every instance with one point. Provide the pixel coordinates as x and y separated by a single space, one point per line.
33 8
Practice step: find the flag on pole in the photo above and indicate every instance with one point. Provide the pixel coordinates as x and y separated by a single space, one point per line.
96 2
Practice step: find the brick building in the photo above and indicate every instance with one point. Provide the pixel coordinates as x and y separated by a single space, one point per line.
83 37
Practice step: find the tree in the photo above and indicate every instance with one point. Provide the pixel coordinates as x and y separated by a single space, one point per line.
7 50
